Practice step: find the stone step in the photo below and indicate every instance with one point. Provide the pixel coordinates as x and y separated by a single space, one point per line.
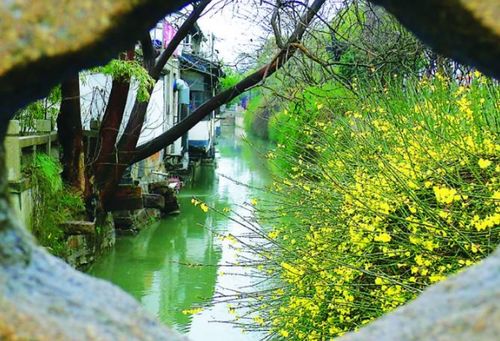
126 197
78 227
154 201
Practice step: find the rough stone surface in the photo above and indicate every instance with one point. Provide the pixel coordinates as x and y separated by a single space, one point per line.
48 300
85 241
131 222
81 250
465 307
48 40
153 201
465 30
162 188
124 221
78 227
125 197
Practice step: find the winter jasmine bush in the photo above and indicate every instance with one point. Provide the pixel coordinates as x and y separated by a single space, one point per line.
379 195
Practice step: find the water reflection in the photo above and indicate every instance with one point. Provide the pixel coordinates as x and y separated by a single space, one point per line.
158 266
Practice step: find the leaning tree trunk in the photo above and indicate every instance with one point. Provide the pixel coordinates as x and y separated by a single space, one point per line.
128 153
110 126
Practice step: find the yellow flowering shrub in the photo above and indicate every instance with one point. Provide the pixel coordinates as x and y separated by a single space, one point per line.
402 190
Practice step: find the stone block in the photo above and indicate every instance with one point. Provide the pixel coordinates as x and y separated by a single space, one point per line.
14 128
464 307
126 197
81 250
171 204
123 220
78 227
13 158
154 201
43 126
105 232
160 187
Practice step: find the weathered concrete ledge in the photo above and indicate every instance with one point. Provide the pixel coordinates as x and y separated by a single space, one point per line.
464 307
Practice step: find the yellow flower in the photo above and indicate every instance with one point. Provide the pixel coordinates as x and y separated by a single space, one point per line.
383 237
253 202
284 333
273 234
445 195
204 207
259 320
436 278
484 163
192 311
290 269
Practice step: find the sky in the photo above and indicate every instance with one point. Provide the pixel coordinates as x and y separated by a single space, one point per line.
233 34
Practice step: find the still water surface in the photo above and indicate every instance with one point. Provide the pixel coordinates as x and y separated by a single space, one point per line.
154 266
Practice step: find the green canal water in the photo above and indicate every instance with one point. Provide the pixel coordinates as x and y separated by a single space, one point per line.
156 266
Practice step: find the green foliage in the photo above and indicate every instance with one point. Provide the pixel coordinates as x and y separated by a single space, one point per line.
385 182
287 127
259 110
386 193
230 79
54 203
375 41
47 108
129 69
253 109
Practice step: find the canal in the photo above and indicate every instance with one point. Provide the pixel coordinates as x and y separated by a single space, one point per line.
178 263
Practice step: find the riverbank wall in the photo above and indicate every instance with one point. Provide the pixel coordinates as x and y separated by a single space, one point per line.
82 241
137 205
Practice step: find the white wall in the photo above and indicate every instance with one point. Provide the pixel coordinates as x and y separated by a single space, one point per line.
162 109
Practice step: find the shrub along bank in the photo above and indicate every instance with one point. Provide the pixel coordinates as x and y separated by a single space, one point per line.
54 203
377 196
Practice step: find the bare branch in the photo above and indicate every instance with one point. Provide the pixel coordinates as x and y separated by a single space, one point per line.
179 36
275 24
148 51
223 97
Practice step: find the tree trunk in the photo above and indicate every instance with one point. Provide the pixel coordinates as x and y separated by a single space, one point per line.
70 133
112 171
110 126
129 154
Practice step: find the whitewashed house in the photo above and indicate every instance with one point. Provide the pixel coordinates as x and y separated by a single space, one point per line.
162 112
201 71
188 79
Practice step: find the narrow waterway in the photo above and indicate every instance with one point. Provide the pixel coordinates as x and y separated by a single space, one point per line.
159 266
